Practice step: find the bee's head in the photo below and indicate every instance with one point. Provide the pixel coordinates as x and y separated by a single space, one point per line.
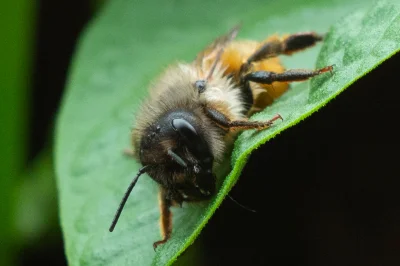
176 145
174 151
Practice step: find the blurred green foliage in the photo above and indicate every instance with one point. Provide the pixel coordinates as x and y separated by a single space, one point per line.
28 208
35 203
17 25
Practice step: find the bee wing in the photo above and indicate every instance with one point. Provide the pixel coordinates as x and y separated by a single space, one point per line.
212 51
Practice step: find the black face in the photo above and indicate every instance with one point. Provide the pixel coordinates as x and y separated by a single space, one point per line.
184 168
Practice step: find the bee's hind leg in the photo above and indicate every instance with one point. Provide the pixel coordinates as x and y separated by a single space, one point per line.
287 45
267 77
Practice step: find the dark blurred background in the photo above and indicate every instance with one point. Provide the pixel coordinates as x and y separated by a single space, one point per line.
338 203
326 191
37 42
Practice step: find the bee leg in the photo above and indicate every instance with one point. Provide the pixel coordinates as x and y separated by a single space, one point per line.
291 44
266 77
300 41
288 45
129 152
165 217
223 121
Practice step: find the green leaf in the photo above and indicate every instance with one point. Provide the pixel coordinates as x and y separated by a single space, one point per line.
125 47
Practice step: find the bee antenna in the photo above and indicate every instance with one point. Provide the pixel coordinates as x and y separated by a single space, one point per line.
244 207
142 170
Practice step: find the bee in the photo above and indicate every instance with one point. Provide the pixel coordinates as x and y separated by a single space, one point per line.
195 110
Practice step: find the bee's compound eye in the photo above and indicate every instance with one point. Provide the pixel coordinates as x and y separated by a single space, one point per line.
185 129
200 85
193 140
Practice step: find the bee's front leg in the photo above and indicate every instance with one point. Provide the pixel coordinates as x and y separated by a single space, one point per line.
224 122
165 217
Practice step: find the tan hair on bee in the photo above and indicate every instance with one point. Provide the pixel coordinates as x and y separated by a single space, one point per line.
195 110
